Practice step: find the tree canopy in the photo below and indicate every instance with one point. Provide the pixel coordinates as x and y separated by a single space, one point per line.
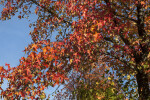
91 34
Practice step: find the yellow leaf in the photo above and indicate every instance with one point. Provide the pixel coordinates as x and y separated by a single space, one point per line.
92 28
97 83
112 83
148 55
44 49
109 78
71 60
128 76
50 58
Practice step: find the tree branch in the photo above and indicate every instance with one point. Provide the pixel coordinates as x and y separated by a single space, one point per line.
115 13
141 31
51 11
121 60
127 18
109 39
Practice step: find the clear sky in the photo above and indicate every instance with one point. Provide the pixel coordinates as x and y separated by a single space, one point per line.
14 37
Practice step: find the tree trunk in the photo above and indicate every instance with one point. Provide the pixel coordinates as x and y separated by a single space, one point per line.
143 86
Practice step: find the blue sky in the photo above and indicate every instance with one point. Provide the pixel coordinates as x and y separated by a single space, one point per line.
14 37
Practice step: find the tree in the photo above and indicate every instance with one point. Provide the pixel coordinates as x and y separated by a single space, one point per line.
117 31
92 84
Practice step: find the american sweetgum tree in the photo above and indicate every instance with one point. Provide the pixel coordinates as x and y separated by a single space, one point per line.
115 31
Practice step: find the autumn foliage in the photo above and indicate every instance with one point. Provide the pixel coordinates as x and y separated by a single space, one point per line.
91 34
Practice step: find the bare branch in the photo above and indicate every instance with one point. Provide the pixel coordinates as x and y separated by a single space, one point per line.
128 18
